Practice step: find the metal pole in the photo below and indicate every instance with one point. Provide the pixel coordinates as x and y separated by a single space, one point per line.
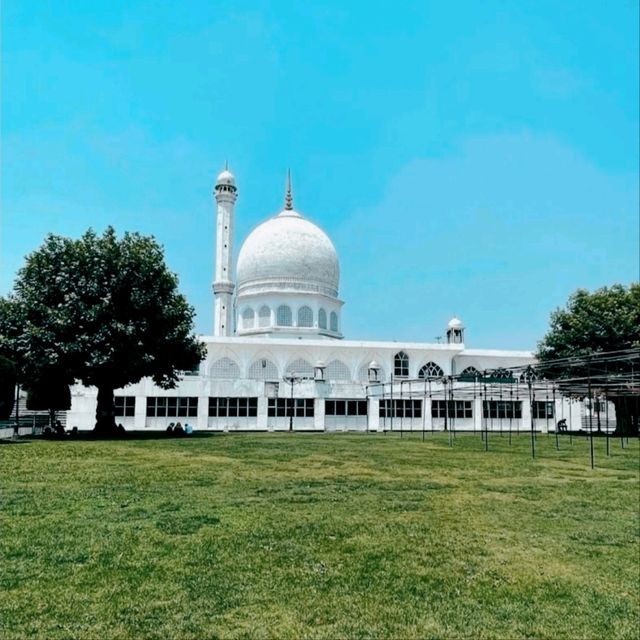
384 408
424 409
474 414
501 403
570 421
486 418
511 414
402 407
554 419
431 403
518 400
546 408
593 463
291 409
533 440
452 425
606 417
367 398
446 409
17 427
392 407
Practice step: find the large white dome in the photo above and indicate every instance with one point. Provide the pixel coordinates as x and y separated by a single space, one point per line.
288 253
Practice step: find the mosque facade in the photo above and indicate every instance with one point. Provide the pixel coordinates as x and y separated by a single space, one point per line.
277 359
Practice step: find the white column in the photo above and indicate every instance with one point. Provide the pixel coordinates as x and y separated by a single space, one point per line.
477 413
140 413
202 421
318 413
223 285
373 415
428 417
526 415
261 420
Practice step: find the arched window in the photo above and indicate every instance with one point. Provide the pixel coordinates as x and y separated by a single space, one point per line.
305 317
263 369
502 374
300 368
333 319
248 318
264 317
430 371
225 368
337 370
322 319
470 372
283 316
401 365
528 374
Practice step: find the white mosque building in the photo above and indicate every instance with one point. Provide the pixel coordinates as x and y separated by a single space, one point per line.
278 360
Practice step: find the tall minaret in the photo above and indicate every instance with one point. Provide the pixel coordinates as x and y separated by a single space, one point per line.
226 193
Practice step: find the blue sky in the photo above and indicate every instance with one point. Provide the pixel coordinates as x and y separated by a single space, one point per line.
471 157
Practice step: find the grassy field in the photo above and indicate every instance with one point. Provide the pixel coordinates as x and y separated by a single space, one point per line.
318 536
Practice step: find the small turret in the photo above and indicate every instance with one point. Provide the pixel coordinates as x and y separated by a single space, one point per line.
455 331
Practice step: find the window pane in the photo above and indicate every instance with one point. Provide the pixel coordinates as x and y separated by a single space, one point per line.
130 406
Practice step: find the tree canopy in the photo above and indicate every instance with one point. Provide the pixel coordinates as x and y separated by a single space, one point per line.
100 310
607 320
7 387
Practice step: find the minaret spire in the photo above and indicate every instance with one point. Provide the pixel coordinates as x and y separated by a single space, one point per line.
225 193
288 199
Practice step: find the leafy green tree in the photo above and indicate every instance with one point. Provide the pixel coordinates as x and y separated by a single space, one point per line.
103 311
49 393
7 387
606 320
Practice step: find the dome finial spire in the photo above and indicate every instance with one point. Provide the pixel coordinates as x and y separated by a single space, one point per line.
288 199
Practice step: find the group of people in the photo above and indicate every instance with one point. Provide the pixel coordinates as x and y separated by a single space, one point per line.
178 430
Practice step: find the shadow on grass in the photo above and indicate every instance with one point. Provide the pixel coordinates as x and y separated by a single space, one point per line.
84 436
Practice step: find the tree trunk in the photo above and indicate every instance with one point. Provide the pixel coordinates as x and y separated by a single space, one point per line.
17 427
627 415
105 413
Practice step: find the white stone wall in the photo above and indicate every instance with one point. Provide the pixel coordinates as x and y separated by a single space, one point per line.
355 356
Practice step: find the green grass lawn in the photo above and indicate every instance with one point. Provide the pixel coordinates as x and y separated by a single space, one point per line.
318 536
